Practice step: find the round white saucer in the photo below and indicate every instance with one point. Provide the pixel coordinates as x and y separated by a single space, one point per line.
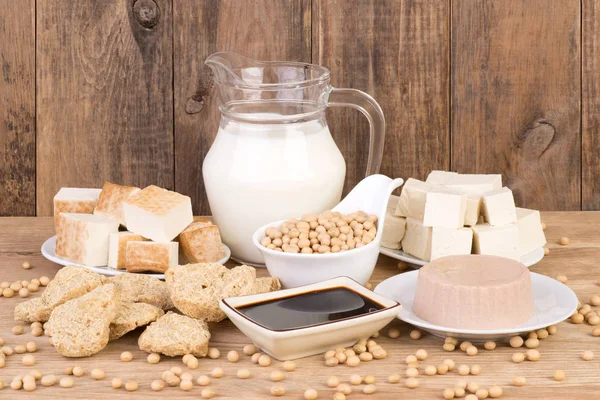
528 259
554 302
49 251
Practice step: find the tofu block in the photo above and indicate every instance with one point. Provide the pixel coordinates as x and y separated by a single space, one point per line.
393 231
117 247
83 238
531 234
201 242
413 191
151 256
158 214
473 211
500 241
75 200
393 227
110 202
499 207
440 177
475 183
444 208
429 243
450 242
417 239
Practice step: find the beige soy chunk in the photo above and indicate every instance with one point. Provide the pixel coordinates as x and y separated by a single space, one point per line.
196 289
201 242
140 288
176 335
69 283
131 316
81 327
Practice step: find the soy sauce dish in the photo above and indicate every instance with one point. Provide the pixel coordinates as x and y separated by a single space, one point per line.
312 319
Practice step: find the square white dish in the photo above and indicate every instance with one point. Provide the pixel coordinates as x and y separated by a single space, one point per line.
314 339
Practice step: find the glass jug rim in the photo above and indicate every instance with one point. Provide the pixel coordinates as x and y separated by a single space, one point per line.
323 74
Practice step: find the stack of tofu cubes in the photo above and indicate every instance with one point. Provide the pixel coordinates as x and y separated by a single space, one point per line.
453 213
88 223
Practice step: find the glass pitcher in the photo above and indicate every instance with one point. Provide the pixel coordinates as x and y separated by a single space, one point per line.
273 157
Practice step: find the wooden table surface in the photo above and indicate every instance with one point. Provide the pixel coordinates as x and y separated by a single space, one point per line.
21 238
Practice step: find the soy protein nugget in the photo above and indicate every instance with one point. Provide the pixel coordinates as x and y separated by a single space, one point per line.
69 283
131 316
196 289
136 288
81 327
175 335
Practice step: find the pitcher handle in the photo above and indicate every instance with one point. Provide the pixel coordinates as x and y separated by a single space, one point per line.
367 105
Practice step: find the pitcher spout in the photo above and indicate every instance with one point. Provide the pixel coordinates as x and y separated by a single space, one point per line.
227 66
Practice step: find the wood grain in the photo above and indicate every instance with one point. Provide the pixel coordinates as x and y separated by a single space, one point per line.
397 51
515 76
17 107
260 29
562 351
104 95
590 105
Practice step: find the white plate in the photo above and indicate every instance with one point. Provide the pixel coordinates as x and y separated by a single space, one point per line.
528 259
49 251
554 302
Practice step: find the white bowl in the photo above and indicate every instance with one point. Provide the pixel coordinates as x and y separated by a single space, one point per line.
315 339
293 269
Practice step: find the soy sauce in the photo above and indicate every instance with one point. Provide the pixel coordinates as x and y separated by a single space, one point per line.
311 308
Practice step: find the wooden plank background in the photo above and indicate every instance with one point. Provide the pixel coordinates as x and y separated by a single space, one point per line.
117 90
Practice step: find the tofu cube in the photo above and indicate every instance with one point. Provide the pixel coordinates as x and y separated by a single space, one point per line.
444 208
110 202
75 200
475 183
158 214
440 177
83 238
499 207
531 234
429 243
417 239
450 242
500 241
473 211
201 242
393 227
117 248
412 198
151 256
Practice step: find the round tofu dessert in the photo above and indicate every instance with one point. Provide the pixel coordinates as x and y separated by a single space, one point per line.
474 292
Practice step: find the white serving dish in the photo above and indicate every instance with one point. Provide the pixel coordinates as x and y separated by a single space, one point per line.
293 269
49 251
554 302
306 341
528 259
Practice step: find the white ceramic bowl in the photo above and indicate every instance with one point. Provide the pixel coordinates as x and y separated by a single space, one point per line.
306 341
293 269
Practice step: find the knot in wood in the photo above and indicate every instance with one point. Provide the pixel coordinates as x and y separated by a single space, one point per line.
146 13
